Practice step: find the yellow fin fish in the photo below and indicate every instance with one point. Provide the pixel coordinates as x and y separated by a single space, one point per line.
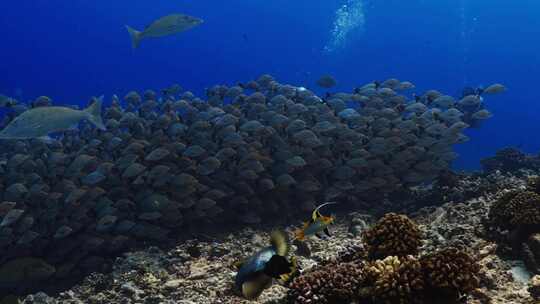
317 224
256 273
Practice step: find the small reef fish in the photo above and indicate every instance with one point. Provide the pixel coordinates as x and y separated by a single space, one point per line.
257 272
41 121
164 26
317 224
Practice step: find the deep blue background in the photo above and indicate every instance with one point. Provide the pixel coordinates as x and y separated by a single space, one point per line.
71 50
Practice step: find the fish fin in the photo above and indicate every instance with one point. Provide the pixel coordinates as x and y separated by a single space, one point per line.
318 235
253 288
94 113
284 278
314 215
280 241
326 231
316 211
135 37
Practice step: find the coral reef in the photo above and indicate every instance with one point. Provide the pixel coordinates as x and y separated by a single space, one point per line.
393 235
172 163
514 222
516 209
451 271
396 280
514 219
406 279
197 270
400 278
510 160
337 283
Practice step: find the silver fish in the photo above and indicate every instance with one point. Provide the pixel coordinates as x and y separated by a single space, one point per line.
39 122
164 26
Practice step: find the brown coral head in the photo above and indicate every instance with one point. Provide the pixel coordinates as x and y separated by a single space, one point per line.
332 283
516 209
393 235
396 280
451 271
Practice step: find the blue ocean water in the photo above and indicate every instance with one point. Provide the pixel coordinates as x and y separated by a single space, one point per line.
71 50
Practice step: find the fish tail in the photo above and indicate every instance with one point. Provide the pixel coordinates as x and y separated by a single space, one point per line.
94 113
135 36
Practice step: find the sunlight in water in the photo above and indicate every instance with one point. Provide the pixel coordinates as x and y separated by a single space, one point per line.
349 17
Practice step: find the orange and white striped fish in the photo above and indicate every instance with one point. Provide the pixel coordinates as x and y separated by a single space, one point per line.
317 224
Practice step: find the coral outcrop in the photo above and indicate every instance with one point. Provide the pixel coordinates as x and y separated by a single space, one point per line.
450 271
510 160
396 280
406 277
514 221
516 209
393 235
338 283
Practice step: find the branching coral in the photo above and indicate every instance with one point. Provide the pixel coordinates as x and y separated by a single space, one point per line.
451 271
393 235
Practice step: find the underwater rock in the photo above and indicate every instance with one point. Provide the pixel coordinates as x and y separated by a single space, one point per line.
393 235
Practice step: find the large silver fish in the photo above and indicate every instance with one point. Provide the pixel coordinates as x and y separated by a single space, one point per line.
164 26
40 122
